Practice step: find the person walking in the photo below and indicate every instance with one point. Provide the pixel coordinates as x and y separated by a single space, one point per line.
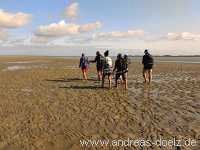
84 64
121 68
99 64
107 69
148 63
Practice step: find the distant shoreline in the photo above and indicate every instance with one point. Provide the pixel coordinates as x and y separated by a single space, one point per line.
94 56
157 59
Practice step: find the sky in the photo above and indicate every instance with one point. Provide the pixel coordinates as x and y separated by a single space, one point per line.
70 27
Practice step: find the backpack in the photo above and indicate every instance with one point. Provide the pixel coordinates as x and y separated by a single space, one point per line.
100 60
84 62
108 62
107 65
125 65
149 59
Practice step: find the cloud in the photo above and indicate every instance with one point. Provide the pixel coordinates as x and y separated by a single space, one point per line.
61 41
183 36
63 29
39 40
71 11
13 20
119 34
58 29
91 26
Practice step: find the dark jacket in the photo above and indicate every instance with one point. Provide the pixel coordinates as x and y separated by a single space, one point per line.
121 66
84 63
147 59
99 61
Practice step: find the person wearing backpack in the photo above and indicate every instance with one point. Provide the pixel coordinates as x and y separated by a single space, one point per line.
121 68
99 64
84 64
107 69
148 63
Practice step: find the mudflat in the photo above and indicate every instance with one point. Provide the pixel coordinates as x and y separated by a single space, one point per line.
45 105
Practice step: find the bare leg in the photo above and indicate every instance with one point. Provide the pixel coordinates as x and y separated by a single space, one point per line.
150 75
145 75
110 81
126 84
84 75
99 75
125 81
121 80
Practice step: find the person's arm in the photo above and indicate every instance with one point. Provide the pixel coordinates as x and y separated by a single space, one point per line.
93 61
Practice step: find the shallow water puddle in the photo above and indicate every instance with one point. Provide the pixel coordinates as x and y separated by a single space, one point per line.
21 67
24 62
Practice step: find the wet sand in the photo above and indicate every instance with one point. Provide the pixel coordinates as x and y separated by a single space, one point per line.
44 105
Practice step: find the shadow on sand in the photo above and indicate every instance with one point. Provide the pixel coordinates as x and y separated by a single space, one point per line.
76 80
82 87
69 79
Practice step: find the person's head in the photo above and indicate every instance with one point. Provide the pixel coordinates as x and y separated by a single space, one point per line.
146 51
125 56
97 53
83 55
106 53
119 56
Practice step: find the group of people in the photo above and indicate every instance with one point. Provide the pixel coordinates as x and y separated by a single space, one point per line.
104 66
